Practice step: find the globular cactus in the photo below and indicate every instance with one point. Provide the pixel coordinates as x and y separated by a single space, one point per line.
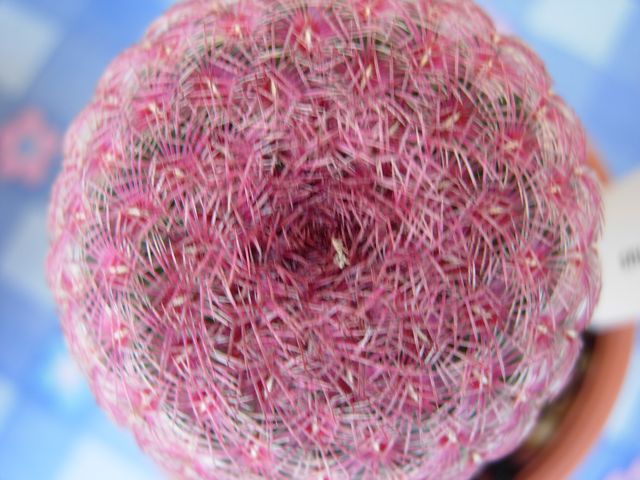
309 239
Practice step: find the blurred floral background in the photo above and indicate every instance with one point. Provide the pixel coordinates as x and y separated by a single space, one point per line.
51 55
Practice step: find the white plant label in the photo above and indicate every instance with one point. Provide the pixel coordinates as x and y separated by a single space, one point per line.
619 251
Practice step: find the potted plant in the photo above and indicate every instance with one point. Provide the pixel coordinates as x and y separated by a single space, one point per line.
352 239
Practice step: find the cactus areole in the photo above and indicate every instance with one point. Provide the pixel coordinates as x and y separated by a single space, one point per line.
325 240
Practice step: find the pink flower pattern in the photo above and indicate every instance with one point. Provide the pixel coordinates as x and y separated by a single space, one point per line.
28 144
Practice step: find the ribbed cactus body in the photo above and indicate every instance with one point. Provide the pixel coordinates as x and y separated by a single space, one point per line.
310 239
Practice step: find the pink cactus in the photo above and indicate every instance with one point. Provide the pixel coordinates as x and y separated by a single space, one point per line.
312 239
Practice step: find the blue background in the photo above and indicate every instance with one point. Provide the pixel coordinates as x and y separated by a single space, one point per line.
51 55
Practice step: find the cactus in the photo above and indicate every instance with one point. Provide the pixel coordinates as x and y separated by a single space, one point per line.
308 239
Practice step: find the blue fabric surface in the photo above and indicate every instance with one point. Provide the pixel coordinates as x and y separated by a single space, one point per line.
51 55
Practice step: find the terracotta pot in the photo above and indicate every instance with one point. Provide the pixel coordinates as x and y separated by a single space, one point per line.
588 411
584 408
